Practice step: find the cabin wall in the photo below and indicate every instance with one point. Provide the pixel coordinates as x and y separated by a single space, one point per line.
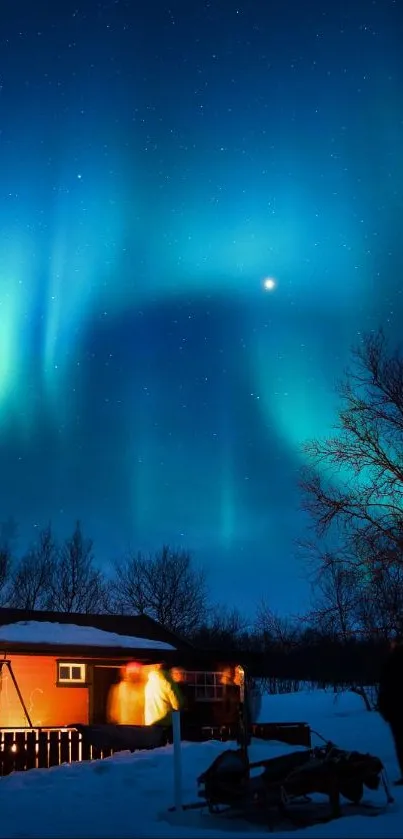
47 704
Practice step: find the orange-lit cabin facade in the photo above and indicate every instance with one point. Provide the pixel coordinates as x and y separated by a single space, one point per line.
49 704
63 686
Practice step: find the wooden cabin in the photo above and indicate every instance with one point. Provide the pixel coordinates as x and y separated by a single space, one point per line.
56 672
57 669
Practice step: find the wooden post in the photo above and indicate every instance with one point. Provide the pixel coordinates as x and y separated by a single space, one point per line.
177 746
243 722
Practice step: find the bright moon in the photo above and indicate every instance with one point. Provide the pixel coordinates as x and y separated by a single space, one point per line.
269 283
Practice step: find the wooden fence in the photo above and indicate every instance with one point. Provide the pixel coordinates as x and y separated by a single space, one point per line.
41 748
292 733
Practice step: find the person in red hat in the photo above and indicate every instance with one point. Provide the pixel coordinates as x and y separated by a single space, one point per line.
126 699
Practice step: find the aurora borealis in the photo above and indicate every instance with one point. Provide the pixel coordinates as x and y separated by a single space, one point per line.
158 161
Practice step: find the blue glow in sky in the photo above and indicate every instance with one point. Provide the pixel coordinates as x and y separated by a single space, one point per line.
157 164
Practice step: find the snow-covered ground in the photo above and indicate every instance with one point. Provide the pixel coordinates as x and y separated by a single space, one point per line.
129 795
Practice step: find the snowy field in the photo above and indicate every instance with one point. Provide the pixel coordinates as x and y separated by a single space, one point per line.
129 795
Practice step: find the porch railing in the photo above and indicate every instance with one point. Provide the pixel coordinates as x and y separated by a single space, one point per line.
41 748
292 733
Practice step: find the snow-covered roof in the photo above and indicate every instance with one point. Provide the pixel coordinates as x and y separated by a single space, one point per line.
46 632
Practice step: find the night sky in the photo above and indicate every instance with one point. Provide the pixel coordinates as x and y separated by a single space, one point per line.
159 161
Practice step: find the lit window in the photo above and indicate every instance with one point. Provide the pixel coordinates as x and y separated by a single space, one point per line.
71 673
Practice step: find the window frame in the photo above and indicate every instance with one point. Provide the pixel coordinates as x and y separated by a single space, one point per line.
211 681
70 682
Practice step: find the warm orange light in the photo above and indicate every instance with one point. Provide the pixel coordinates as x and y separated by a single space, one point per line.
126 699
227 676
239 677
14 747
159 697
178 674
47 703
233 676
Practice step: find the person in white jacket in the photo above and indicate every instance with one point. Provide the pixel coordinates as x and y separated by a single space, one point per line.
161 697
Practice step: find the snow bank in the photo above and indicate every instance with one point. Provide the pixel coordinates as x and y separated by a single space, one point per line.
129 795
277 707
42 632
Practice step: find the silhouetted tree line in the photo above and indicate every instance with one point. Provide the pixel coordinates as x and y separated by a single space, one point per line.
284 652
60 576
353 490
63 576
325 662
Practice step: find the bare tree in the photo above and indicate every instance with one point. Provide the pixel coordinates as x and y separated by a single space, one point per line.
128 594
229 621
278 637
380 604
284 632
355 478
165 586
32 579
224 628
77 585
337 595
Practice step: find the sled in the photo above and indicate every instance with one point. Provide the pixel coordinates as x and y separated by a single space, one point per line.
282 786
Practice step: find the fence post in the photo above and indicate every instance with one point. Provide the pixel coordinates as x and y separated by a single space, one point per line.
176 736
